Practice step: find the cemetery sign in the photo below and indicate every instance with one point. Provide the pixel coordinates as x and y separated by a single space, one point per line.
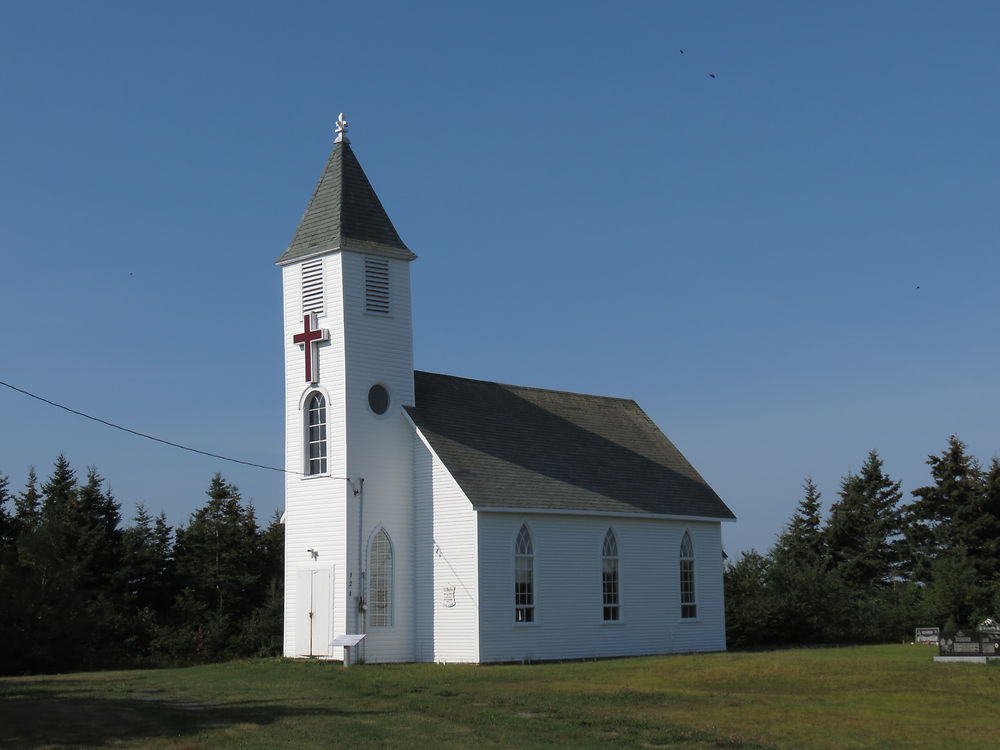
927 635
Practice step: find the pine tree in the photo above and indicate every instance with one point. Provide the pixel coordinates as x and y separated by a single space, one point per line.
59 490
946 514
803 597
93 540
989 531
9 583
69 554
263 629
802 542
219 570
28 504
7 533
864 526
750 606
146 582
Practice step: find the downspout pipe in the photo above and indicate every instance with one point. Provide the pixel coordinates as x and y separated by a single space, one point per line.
359 617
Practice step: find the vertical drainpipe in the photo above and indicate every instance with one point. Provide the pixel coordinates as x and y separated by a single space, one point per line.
358 614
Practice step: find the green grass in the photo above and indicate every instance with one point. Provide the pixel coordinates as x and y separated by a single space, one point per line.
864 697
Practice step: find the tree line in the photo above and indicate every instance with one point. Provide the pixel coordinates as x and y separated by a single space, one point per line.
876 567
79 591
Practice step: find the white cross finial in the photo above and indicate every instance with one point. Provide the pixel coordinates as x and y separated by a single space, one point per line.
341 129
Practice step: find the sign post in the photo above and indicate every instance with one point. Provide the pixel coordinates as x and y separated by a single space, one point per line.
348 640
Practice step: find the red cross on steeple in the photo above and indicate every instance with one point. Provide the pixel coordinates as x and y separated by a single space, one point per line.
307 338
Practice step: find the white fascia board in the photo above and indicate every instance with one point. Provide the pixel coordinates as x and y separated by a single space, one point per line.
310 256
609 513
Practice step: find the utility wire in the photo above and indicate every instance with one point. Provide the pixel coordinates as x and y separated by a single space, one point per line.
144 435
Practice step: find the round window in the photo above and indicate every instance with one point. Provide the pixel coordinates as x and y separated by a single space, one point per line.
378 398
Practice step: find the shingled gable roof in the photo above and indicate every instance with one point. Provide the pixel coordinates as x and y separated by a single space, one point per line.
344 213
511 447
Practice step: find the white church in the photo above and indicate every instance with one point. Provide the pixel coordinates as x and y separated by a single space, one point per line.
457 520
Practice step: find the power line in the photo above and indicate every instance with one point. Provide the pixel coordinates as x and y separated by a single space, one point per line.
144 435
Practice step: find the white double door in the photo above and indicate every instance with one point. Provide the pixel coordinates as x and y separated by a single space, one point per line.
314 611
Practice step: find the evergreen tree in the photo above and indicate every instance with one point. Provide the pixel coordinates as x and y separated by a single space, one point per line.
28 504
750 604
9 583
146 582
946 514
262 630
219 572
69 555
803 595
863 529
50 597
147 562
59 490
988 537
7 534
802 542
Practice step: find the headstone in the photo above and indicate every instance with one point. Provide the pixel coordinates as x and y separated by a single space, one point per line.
984 642
989 625
927 635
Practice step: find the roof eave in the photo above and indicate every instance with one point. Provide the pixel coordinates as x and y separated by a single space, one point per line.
608 513
351 246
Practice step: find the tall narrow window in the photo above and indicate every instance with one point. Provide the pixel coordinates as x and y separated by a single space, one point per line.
688 606
609 576
380 581
312 287
377 286
316 434
524 577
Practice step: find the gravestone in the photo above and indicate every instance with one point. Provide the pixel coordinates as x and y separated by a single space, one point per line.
985 641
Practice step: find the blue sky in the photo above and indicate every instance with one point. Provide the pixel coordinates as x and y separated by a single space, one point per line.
786 265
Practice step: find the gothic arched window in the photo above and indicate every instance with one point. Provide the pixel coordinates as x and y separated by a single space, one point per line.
689 607
316 434
524 577
380 581
609 576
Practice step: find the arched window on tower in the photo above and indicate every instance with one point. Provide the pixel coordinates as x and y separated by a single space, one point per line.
380 581
609 576
689 607
524 577
316 434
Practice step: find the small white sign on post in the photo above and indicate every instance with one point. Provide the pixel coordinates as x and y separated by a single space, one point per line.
927 635
348 641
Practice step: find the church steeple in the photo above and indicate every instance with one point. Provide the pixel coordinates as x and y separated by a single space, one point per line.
344 212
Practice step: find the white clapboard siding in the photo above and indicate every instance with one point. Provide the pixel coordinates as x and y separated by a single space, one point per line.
315 507
447 564
379 350
568 596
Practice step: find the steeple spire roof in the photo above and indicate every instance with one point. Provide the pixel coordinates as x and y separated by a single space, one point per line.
344 212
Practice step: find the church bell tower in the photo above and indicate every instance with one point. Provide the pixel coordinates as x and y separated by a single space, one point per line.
348 349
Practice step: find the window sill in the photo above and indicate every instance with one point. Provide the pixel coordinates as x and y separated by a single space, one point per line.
612 622
686 620
525 624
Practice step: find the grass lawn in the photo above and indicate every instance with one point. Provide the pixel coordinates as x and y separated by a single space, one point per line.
863 697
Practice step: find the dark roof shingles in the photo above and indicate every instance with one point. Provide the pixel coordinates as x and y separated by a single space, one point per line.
514 447
343 207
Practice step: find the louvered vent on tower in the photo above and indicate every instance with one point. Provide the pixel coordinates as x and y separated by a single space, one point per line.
377 286
312 287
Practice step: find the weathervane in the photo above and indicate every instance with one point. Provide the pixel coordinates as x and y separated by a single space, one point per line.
341 129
